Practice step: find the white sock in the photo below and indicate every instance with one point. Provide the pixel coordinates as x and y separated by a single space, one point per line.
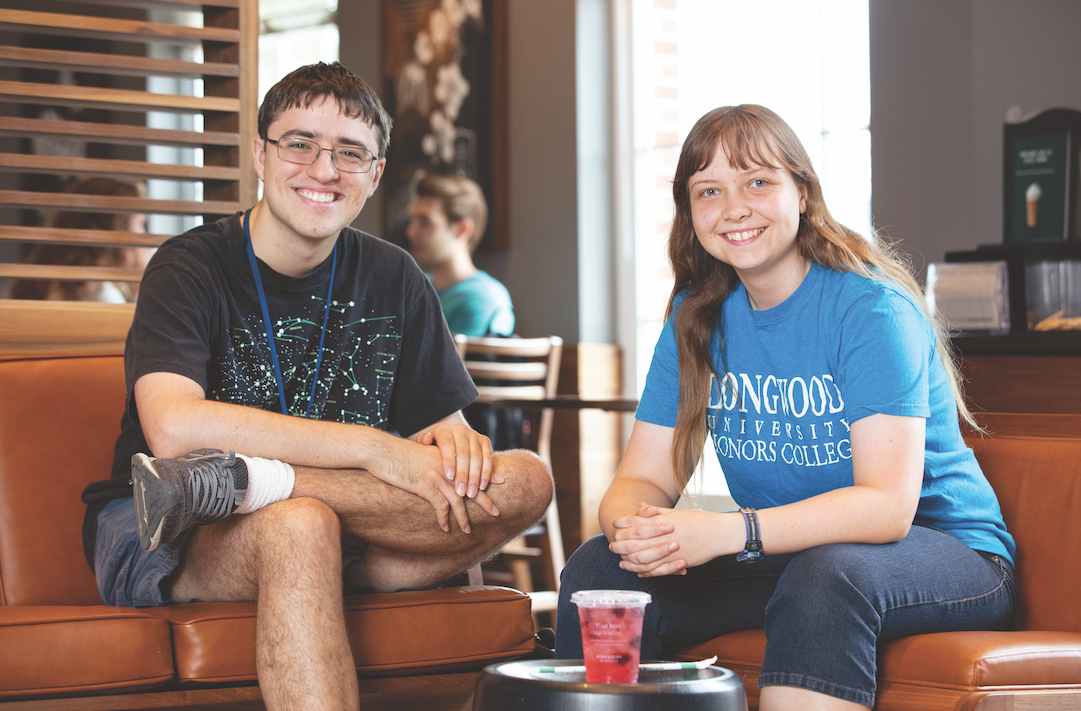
269 480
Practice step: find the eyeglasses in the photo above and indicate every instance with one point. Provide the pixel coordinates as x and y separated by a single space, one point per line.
301 151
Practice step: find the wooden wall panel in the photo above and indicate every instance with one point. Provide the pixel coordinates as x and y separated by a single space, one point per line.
586 444
1022 383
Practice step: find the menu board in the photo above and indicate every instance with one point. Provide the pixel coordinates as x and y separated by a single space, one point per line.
1041 186
1041 179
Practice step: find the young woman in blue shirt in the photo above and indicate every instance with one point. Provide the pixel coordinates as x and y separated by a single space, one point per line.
803 353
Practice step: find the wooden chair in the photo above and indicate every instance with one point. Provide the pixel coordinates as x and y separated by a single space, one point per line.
524 369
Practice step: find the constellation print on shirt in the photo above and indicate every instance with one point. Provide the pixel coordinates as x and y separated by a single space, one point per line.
370 371
360 358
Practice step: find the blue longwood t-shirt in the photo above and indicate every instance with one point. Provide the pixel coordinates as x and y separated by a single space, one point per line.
840 348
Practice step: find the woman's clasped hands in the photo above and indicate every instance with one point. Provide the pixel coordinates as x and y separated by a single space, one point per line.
657 541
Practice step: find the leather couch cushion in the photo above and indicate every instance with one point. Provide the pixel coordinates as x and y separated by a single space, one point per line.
1036 479
59 420
400 633
984 659
965 660
76 651
743 648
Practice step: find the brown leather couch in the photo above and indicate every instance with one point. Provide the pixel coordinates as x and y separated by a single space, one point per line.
1034 464
59 419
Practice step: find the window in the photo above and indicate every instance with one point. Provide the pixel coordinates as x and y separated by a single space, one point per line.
293 33
171 189
808 60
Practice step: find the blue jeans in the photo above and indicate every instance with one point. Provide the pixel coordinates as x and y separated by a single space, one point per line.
824 610
127 575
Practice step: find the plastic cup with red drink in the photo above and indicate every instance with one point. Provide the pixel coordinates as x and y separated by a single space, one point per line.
611 623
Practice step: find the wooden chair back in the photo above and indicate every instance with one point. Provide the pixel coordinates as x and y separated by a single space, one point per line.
524 369
519 369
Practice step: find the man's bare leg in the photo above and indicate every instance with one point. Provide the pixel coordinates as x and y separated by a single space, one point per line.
288 557
407 548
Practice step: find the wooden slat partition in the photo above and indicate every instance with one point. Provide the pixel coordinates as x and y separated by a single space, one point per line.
111 133
109 28
190 5
104 45
93 203
84 97
80 238
113 168
46 271
59 60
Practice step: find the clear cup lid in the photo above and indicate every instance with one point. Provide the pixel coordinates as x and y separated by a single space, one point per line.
610 598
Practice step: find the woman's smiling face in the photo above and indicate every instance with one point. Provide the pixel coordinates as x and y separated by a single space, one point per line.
748 218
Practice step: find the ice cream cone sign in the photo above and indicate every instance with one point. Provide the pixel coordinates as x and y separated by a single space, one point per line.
1032 204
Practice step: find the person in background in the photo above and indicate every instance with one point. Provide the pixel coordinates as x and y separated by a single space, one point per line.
71 255
446 223
806 351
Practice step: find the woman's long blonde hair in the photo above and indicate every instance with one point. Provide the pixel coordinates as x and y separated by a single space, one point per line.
753 135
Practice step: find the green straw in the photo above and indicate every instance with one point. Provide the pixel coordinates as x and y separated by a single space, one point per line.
662 666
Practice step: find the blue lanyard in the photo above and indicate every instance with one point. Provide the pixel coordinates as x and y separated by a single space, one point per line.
270 330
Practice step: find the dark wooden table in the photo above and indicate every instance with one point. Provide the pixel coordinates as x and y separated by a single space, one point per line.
571 402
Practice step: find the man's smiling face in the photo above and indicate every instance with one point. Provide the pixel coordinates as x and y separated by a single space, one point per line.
314 202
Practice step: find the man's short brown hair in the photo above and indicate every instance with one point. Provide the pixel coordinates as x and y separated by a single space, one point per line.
460 198
310 84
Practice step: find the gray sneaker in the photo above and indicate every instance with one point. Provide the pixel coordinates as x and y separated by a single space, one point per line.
172 495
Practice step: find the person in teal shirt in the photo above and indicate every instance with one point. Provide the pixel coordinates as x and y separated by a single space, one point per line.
446 223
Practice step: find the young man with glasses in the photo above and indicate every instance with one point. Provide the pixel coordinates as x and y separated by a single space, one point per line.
293 424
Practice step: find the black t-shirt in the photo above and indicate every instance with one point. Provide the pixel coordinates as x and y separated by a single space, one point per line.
388 358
